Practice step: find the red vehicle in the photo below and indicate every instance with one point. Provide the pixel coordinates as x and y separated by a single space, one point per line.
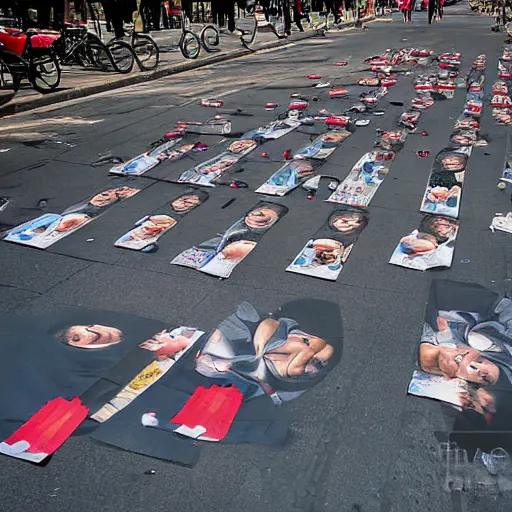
29 55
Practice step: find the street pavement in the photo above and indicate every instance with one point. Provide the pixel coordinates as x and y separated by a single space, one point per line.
77 81
357 443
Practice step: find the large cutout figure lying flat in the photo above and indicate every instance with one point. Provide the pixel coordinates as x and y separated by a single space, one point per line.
465 355
269 358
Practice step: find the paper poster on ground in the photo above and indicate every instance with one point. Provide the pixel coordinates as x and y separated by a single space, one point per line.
464 356
220 255
149 229
49 228
429 246
324 255
359 187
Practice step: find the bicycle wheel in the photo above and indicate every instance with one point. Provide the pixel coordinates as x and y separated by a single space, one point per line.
248 39
190 45
9 84
146 52
98 54
122 54
210 38
44 74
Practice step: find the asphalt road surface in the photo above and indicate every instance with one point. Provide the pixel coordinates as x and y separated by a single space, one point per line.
357 442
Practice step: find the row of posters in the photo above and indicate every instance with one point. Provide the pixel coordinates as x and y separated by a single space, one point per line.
432 244
207 172
47 229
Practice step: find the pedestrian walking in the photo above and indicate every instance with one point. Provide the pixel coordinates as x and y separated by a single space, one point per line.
435 10
406 7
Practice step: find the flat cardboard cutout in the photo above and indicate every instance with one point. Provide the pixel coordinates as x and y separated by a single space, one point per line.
324 255
279 355
273 130
464 355
220 255
49 228
287 178
502 222
429 246
170 150
323 146
207 172
359 187
65 354
444 189
150 228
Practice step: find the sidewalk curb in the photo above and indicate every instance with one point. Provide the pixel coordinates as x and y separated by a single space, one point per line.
172 69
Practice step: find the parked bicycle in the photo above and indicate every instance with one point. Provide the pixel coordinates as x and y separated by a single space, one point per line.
274 17
77 45
31 56
143 47
188 44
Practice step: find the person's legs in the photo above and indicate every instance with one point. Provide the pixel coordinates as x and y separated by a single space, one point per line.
286 17
186 5
297 15
155 14
230 7
329 7
431 4
336 4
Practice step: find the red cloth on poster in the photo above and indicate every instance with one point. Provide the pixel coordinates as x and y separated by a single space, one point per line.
212 408
48 428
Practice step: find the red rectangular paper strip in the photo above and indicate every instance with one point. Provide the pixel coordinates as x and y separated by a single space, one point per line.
46 431
212 408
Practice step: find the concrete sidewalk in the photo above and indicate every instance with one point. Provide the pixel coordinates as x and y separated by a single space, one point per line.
79 82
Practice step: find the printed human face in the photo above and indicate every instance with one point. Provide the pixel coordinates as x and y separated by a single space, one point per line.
441 194
71 221
394 136
418 245
453 163
327 251
165 344
480 401
301 354
347 223
92 336
443 227
238 250
261 218
185 203
153 227
463 139
239 146
467 364
109 196
332 138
